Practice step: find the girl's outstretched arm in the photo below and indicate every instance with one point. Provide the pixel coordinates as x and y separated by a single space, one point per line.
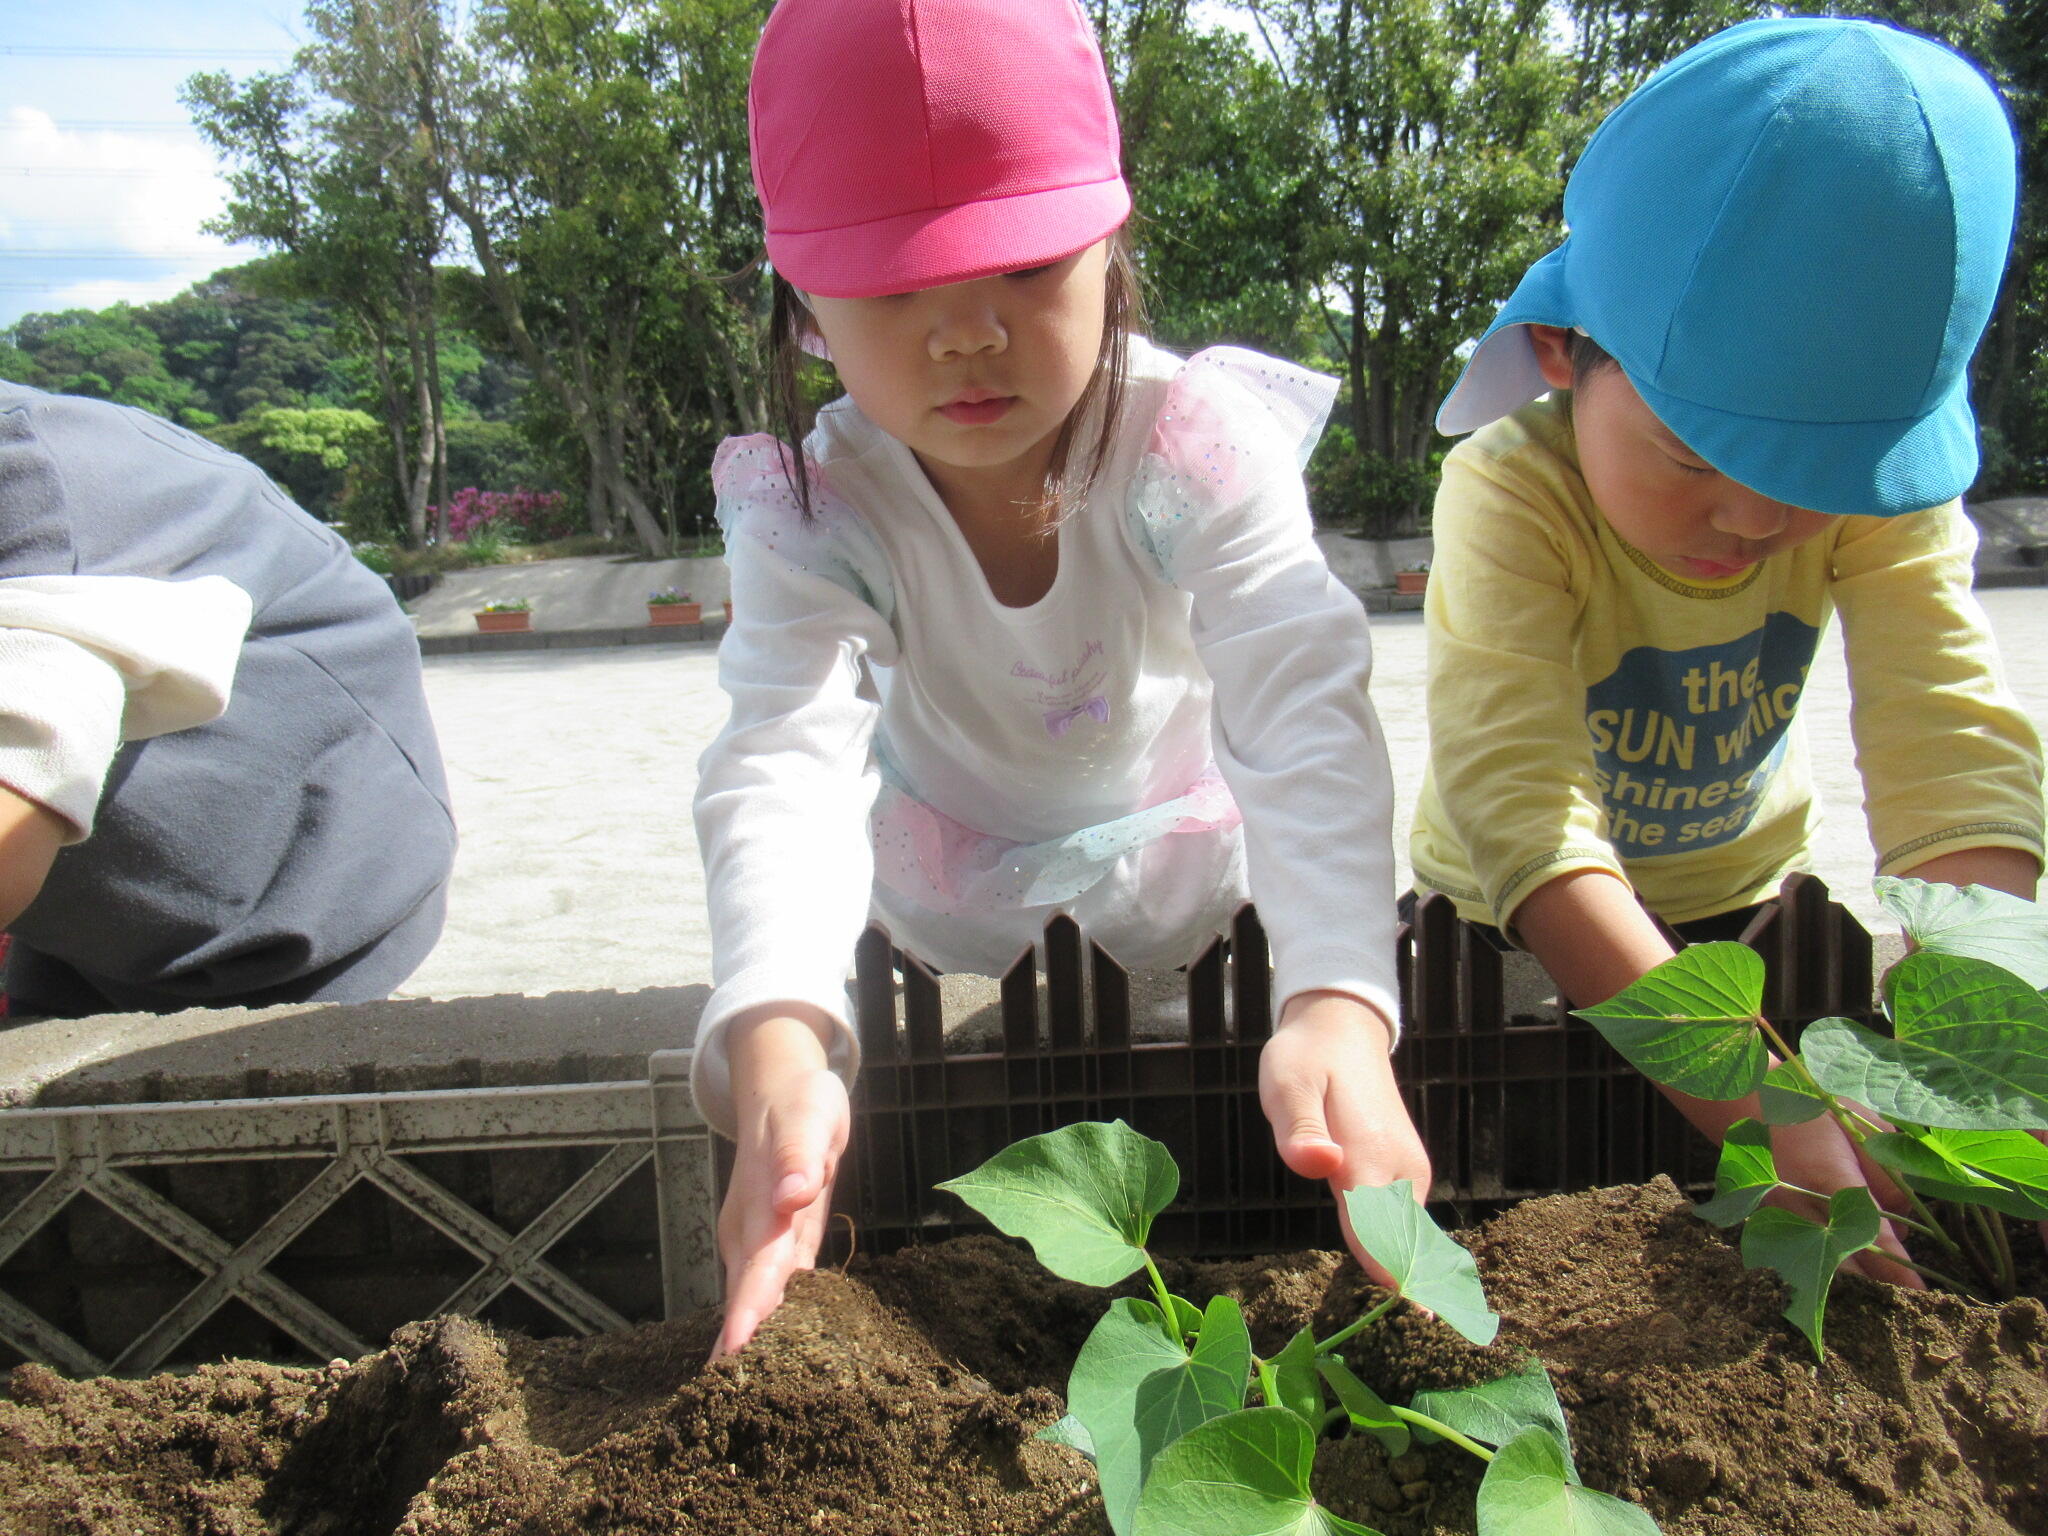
793 1121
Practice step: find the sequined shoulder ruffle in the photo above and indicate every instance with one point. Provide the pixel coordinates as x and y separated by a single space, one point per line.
1231 419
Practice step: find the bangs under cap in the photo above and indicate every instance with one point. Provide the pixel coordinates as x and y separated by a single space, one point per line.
904 144
1790 240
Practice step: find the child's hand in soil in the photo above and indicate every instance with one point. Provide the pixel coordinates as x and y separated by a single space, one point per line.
793 1119
1327 1085
1817 1156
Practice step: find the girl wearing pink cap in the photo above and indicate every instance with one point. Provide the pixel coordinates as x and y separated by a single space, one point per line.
1033 623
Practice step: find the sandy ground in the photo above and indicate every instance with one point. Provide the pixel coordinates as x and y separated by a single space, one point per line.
572 773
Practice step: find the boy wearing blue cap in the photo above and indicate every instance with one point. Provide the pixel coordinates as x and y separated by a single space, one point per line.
1782 251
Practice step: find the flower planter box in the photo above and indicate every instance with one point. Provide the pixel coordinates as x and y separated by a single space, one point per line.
503 623
1411 583
675 613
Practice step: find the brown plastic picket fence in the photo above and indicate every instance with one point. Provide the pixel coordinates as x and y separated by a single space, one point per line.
1509 1108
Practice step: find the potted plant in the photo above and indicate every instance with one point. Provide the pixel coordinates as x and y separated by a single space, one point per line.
1414 580
505 615
668 606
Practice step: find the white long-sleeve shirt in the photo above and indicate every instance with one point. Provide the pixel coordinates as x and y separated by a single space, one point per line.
903 744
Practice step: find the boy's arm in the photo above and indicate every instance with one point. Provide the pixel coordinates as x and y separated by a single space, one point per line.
1951 765
1595 939
2012 870
30 835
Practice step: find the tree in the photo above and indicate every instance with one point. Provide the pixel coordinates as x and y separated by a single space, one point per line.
1444 127
329 168
597 165
107 354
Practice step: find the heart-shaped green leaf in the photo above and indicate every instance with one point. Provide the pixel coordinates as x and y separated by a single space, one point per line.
1497 1411
1691 1022
1973 920
1368 1410
1136 1391
1806 1254
1526 1493
1969 1052
1082 1196
1243 1474
1429 1269
1294 1373
1787 1098
1746 1174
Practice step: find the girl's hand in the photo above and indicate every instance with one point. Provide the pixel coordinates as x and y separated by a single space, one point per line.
793 1121
1327 1085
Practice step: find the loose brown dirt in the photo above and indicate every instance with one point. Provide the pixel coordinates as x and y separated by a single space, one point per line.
902 1398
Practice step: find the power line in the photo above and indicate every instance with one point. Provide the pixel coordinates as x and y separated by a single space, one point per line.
65 51
92 125
93 170
162 255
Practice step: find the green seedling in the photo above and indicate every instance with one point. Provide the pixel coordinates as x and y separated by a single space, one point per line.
1947 1103
1193 1434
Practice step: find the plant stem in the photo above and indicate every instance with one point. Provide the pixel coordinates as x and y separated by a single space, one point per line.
1269 1386
1165 1299
1993 1230
1847 1120
1332 1419
1378 1312
1935 1275
1424 1421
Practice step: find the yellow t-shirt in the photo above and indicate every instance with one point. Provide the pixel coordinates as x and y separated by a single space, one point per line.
1589 709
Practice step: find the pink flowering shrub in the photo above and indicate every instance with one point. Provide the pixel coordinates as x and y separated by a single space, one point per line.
528 515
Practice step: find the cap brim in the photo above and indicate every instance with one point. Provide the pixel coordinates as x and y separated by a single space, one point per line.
1851 469
933 247
1502 375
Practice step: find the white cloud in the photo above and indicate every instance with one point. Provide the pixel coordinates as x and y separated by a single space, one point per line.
148 215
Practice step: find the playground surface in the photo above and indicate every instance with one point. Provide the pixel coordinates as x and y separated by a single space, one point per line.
573 771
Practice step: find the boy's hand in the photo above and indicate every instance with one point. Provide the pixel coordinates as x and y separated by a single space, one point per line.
1327 1085
793 1121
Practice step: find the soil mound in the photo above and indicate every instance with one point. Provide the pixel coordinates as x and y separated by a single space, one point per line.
902 1397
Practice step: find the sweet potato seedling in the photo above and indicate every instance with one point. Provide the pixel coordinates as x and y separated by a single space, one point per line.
1193 1434
1947 1103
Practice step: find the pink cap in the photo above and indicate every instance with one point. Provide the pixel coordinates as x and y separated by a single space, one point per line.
902 144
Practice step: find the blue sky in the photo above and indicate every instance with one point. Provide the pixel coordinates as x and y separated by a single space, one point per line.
103 184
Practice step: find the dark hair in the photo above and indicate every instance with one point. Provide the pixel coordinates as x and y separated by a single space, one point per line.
1588 357
1123 312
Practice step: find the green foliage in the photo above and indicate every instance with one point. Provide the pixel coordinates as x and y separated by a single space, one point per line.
1691 1022
1528 1490
1244 1474
1974 920
1746 1174
1959 1083
1788 1096
1136 1390
1499 1411
1969 1048
1365 1408
1371 494
1294 1375
1428 1267
1806 1253
1083 1197
1159 1392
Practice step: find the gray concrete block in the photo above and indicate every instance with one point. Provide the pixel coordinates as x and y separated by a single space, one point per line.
403 1045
